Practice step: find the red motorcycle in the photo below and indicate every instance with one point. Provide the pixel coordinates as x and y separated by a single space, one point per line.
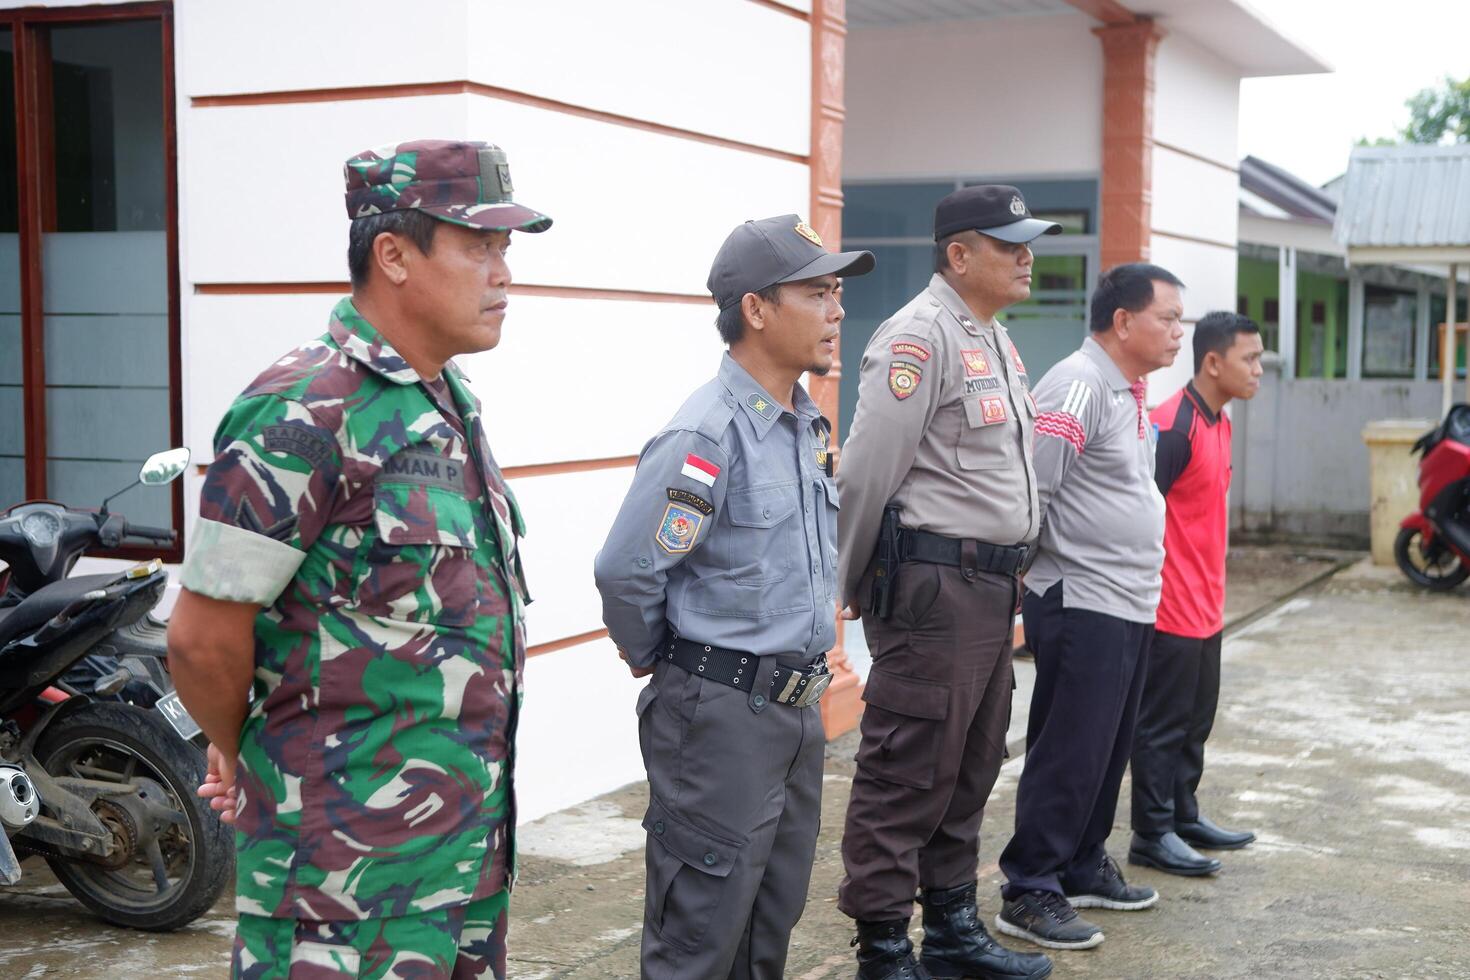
1433 546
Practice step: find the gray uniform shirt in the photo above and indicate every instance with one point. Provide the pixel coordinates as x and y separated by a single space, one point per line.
943 429
1102 532
729 532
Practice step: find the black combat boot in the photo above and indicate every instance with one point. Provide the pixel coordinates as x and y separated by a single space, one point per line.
885 953
957 945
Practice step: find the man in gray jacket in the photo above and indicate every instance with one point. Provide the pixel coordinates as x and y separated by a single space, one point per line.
1089 610
719 578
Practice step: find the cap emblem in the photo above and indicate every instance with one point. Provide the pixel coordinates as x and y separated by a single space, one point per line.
805 231
1018 207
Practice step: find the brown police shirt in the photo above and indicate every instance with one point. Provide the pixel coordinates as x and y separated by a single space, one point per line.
943 429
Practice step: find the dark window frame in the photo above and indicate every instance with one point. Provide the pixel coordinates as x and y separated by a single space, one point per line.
34 141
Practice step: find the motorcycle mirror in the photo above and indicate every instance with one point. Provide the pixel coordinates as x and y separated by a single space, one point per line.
164 467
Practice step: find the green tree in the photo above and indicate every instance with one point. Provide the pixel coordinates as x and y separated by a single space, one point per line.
1437 113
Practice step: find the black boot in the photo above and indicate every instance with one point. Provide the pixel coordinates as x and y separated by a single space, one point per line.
957 945
885 953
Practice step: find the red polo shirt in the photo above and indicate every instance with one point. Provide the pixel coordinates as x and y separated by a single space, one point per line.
1193 474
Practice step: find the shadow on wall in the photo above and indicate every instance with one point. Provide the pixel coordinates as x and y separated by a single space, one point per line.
1300 465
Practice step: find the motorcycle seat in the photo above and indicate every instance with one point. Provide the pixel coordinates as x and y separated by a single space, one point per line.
35 609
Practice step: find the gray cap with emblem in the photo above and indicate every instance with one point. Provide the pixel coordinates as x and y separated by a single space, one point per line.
770 251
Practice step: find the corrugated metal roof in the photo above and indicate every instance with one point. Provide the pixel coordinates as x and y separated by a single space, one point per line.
1406 196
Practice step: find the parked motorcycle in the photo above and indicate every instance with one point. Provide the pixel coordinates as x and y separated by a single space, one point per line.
1433 544
103 789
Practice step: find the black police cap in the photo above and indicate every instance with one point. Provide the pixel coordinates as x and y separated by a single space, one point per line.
997 210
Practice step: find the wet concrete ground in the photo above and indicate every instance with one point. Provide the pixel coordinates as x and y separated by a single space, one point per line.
1343 739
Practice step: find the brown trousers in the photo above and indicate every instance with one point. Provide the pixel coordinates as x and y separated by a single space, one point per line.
933 738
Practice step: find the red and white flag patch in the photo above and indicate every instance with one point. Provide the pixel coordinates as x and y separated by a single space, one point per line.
701 469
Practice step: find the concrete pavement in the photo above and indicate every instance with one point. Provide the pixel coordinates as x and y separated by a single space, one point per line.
1343 739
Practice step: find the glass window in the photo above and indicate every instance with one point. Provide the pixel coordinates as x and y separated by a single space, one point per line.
104 257
12 390
1437 306
1388 332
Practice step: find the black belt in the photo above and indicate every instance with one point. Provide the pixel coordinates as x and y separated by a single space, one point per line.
965 553
788 685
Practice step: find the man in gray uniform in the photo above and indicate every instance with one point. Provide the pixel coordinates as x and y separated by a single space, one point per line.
939 505
719 578
1089 610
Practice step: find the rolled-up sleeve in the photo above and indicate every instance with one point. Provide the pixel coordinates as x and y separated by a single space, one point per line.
266 498
678 492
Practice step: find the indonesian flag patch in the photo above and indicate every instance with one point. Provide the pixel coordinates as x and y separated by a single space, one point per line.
701 469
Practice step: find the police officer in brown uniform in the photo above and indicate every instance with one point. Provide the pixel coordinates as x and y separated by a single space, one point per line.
938 508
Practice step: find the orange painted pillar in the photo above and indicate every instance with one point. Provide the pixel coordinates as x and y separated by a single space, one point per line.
1127 150
842 703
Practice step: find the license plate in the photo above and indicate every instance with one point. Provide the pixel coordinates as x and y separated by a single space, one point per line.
173 709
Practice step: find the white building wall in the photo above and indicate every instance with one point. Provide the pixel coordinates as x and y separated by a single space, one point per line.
646 134
1004 96
1195 187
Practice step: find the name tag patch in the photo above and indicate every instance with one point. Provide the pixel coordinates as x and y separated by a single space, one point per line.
976 386
425 467
679 527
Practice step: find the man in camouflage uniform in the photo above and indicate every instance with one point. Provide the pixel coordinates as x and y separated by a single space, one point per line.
356 562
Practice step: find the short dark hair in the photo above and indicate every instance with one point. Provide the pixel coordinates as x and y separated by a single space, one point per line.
731 320
411 223
1126 287
941 250
1216 333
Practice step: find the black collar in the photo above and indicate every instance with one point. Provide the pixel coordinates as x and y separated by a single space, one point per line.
1200 405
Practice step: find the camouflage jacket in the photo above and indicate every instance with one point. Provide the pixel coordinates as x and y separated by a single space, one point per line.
347 498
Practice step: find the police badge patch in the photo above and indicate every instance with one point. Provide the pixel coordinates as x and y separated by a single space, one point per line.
903 379
679 528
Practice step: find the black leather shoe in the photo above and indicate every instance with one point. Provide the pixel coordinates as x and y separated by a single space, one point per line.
1169 854
885 953
956 944
1204 833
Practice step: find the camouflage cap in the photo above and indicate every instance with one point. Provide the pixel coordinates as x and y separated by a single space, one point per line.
464 183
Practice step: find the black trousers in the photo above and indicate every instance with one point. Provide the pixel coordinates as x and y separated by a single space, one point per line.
1174 720
1089 675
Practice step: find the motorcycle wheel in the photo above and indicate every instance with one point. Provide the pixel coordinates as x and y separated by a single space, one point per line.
1440 571
177 875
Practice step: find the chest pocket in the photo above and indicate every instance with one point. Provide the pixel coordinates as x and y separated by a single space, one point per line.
988 435
763 541
419 565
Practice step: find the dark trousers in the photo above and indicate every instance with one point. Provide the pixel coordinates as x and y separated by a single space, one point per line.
735 804
1090 670
1174 720
933 738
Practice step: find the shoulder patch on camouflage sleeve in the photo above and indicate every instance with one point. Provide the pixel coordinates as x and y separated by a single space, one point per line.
298 441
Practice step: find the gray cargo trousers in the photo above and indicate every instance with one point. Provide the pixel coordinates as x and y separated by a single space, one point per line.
734 808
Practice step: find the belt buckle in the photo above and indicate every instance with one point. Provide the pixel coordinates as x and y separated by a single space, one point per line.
815 685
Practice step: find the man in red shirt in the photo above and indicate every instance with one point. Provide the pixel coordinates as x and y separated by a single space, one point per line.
1183 681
